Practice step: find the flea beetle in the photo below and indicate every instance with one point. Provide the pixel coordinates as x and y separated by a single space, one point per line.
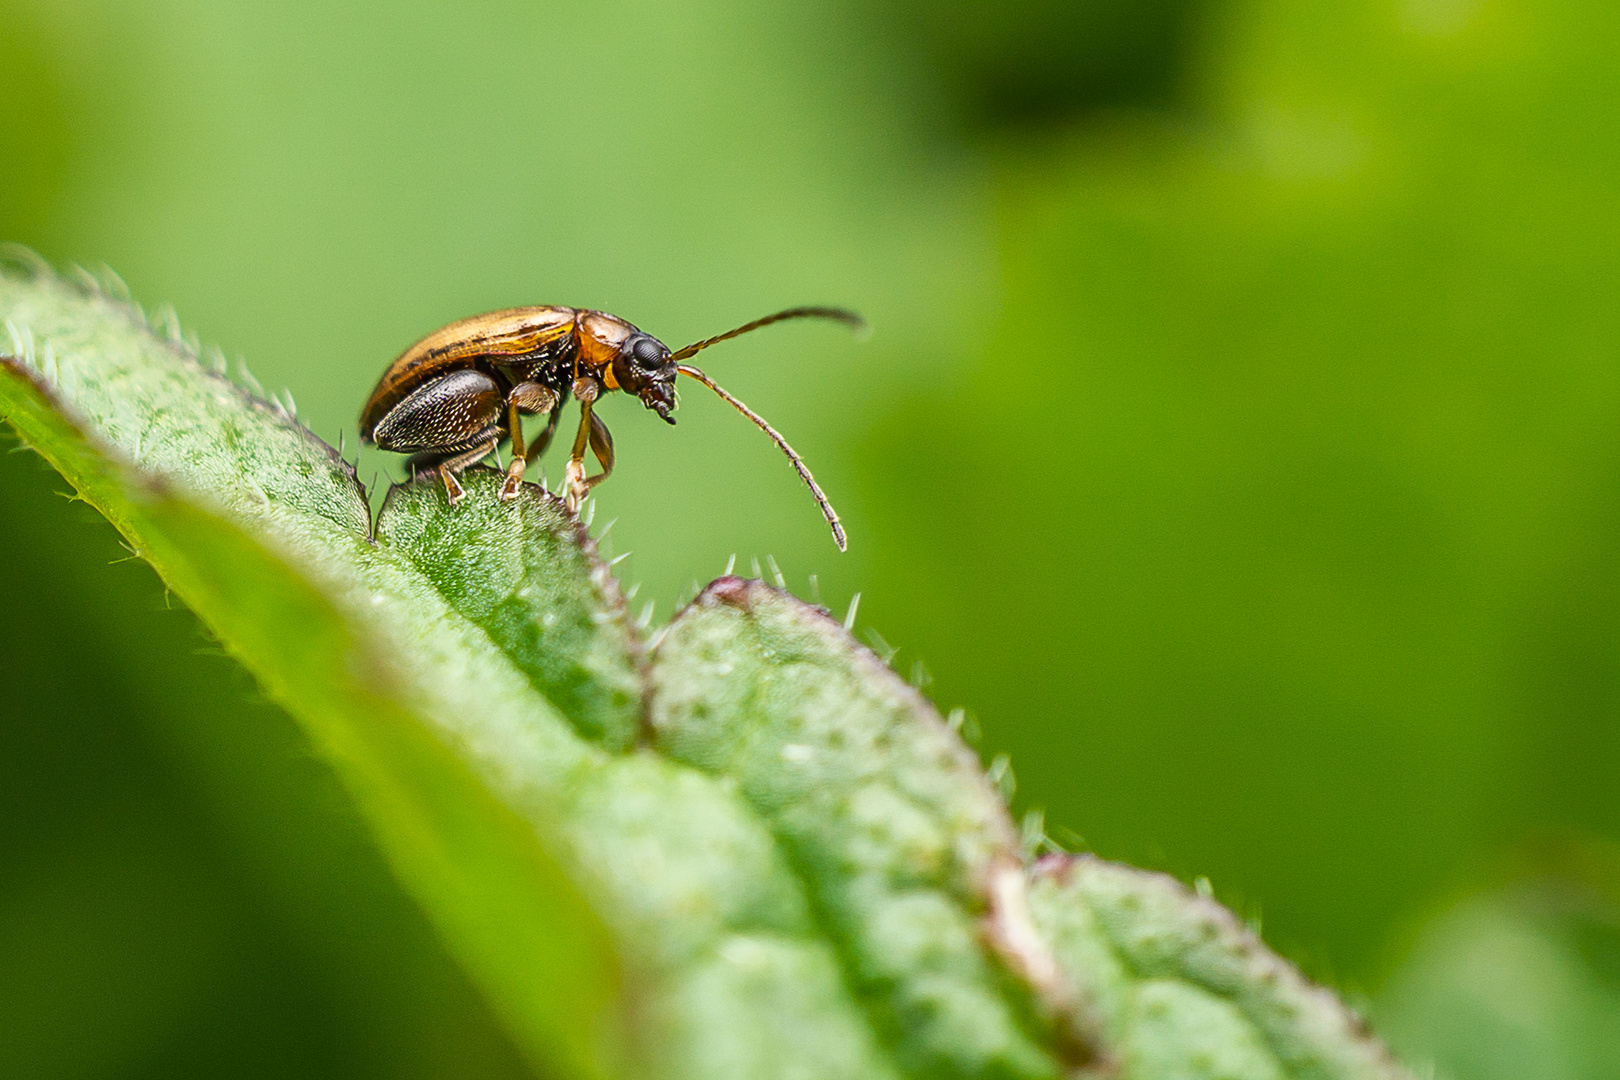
452 397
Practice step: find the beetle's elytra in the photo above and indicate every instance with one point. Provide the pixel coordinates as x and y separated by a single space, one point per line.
450 399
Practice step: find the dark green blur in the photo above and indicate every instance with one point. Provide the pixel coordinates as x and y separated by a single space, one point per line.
1239 441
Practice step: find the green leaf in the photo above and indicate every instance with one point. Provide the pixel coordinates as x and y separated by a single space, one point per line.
369 699
1181 988
444 635
528 576
886 815
752 852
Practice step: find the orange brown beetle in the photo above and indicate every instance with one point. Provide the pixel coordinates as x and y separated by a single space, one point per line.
450 399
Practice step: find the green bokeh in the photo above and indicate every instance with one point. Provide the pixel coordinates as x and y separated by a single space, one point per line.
1301 540
1521 981
1239 438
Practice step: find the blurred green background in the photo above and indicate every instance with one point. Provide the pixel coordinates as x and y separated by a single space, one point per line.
1239 441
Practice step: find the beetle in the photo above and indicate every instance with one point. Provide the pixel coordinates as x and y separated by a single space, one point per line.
450 399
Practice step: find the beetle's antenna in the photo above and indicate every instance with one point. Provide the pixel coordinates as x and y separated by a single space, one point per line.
848 318
782 444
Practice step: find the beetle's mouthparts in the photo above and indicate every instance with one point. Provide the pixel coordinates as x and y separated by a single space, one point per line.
660 398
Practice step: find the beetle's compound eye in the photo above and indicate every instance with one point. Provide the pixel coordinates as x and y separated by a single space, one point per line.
648 353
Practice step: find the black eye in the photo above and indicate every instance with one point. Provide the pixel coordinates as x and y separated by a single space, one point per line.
647 353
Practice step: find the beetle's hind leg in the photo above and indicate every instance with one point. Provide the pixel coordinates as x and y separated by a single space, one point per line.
425 462
449 422
450 466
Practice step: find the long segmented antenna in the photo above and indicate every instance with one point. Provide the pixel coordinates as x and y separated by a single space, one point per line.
781 444
848 318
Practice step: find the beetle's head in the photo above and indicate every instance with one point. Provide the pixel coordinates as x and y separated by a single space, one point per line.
644 368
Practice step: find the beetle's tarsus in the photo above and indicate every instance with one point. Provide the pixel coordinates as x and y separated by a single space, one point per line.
574 479
513 483
453 491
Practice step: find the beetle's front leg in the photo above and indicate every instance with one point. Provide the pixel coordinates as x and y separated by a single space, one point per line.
525 397
601 441
587 390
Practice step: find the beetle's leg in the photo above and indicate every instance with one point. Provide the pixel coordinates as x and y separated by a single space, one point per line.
602 447
443 415
449 467
601 443
543 441
587 390
514 426
425 462
453 491
574 472
527 397
514 471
